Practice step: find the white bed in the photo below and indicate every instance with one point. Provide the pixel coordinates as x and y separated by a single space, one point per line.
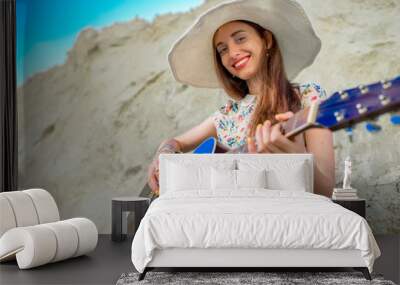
201 226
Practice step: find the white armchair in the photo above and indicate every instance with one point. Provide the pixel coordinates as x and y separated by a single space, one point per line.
31 230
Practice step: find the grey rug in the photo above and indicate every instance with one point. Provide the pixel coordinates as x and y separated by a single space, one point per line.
273 278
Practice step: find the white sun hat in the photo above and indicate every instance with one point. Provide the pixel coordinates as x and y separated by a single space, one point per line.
191 56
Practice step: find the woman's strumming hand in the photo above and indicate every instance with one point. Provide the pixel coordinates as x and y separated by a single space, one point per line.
269 139
167 146
153 176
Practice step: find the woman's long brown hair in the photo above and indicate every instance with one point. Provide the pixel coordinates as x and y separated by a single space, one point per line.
278 94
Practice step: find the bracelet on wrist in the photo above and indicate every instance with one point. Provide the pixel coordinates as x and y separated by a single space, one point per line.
169 151
171 146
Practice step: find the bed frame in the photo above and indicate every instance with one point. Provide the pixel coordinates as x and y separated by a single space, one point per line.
241 258
255 258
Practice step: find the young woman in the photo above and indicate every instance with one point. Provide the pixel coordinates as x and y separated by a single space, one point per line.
233 46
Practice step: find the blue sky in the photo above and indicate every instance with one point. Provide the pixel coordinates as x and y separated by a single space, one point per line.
46 29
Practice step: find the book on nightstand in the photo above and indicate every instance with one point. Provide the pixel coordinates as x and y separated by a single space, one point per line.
344 194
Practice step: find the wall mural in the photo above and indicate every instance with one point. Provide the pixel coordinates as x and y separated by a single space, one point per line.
96 97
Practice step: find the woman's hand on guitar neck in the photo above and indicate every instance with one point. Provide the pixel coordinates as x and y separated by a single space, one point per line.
269 139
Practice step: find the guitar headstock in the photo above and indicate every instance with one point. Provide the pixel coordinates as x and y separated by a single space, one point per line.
353 105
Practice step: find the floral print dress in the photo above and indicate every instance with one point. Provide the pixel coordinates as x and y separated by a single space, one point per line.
233 119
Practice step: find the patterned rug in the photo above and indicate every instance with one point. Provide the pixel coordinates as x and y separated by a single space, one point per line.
270 278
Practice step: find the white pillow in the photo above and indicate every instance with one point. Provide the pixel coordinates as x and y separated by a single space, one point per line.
190 174
223 179
294 179
289 175
183 177
251 178
227 179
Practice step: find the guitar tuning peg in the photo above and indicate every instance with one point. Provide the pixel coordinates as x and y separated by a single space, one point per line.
386 83
384 99
363 89
361 109
349 131
339 115
372 127
343 95
395 119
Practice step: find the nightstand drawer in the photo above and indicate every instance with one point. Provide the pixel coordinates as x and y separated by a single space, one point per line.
138 205
357 206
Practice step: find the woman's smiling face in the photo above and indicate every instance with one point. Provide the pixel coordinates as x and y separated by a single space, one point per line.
240 48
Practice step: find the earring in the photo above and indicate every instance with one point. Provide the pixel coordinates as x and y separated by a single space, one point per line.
267 54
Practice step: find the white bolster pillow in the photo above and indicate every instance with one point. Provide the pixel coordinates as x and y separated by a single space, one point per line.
33 246
24 211
7 218
45 206
26 208
40 244
67 239
87 234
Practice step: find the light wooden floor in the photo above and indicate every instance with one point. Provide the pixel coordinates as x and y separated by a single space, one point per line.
110 260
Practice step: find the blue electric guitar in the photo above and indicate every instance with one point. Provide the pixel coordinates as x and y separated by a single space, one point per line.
341 110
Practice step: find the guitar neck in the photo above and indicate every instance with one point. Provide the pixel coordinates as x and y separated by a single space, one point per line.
301 121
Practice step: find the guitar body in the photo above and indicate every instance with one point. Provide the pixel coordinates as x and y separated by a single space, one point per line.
210 145
207 146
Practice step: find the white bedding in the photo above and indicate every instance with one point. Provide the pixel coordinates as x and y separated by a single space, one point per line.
251 218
